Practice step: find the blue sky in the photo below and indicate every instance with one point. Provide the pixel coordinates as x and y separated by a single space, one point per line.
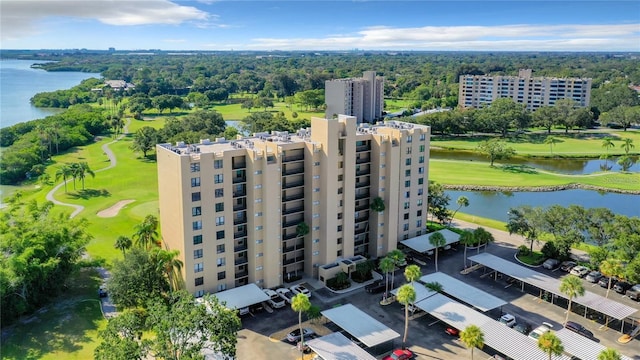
542 25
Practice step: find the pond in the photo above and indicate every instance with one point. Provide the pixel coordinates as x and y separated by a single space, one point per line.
495 204
574 166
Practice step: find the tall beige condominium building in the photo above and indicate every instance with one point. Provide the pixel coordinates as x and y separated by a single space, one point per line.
480 90
232 207
360 97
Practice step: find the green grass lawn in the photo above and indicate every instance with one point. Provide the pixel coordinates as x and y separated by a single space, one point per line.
236 112
534 258
393 105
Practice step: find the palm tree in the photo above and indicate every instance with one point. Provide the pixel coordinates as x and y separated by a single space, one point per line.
398 257
434 286
462 201
64 172
483 237
377 204
472 337
550 343
610 268
607 143
437 240
412 273
82 171
167 261
300 303
406 297
386 266
551 140
146 232
609 354
75 171
572 287
123 243
627 145
466 239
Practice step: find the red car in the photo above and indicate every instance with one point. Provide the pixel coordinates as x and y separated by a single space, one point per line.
399 354
452 331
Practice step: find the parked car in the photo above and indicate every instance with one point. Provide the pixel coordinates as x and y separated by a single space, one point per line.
523 328
275 301
300 289
375 287
102 292
577 328
579 270
294 336
550 264
540 330
604 282
508 320
285 294
594 276
452 331
567 265
634 292
399 354
621 287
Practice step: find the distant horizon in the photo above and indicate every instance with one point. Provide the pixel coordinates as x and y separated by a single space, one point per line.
321 51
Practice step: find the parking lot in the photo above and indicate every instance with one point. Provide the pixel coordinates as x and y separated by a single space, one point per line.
263 334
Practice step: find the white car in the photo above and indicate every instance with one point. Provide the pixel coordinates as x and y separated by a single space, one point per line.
508 320
300 289
285 294
275 301
540 330
579 270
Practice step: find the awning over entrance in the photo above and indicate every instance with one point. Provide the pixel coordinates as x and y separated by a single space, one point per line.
363 327
336 346
421 243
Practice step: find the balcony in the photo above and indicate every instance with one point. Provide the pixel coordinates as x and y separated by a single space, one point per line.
293 210
240 220
240 234
289 158
239 179
240 207
362 218
239 165
240 192
362 196
292 260
364 206
242 274
363 172
289 236
295 222
297 246
363 184
296 197
292 184
360 231
241 261
362 160
363 148
293 171
239 248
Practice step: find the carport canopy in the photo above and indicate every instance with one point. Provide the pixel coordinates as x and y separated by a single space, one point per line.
336 346
466 293
580 346
363 327
590 300
421 243
242 296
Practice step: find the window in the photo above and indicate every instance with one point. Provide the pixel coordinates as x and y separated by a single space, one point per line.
420 191
420 181
406 205
383 153
409 138
317 163
220 249
419 213
259 227
221 261
195 181
406 216
340 177
421 159
339 228
316 228
197 254
421 148
198 267
217 164
196 211
405 227
408 151
199 293
423 137
339 190
419 202
218 178
195 167
220 220
259 255
339 216
197 225
418 224
339 241
407 172
316 253
259 214
222 287
219 193
420 170
316 202
316 215
407 183
220 235
222 275
407 194
257 172
219 207
195 196
339 253
316 177
382 166
315 241
259 241
199 281
197 239
258 200
258 268
259 186
340 164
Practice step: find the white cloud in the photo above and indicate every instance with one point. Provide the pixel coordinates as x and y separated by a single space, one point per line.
21 18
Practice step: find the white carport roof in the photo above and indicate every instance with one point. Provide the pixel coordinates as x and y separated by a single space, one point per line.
591 300
363 327
496 335
466 293
242 296
580 346
336 346
421 243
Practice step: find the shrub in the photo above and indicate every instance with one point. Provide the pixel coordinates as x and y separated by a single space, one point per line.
549 250
523 250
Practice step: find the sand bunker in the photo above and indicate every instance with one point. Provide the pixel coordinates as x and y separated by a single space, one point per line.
113 211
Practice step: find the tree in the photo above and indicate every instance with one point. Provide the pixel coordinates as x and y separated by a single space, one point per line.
136 279
398 258
627 145
184 328
626 162
302 229
438 201
472 337
550 344
377 204
406 297
607 143
437 240
462 201
503 114
386 266
145 140
123 243
122 339
434 286
572 287
523 221
467 239
146 234
482 237
64 172
610 268
412 273
82 170
171 266
300 303
552 140
609 354
495 149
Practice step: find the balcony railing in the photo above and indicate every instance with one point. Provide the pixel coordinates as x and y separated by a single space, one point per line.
291 184
362 196
296 197
242 274
293 158
240 220
293 210
298 170
363 160
363 172
289 236
239 248
362 207
240 193
239 179
239 165
293 260
360 231
298 246
239 234
286 224
238 207
362 218
241 261
362 148
363 184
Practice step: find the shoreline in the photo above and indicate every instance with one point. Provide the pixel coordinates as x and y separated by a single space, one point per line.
572 186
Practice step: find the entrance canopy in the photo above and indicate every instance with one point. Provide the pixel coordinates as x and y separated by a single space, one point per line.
336 346
590 300
421 243
242 296
363 327
471 295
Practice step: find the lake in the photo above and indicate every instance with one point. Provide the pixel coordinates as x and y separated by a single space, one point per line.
19 83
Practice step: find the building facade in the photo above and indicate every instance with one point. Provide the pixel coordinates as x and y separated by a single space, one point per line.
233 208
360 97
480 90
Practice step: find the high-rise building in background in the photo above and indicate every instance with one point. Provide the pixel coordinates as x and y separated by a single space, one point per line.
480 90
234 209
360 97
